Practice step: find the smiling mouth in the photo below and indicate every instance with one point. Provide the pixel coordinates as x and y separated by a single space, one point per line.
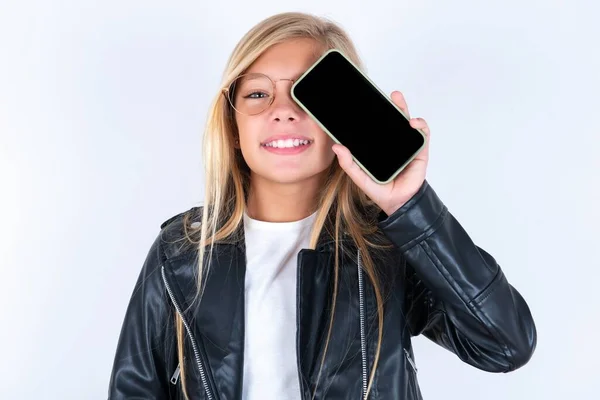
287 149
288 143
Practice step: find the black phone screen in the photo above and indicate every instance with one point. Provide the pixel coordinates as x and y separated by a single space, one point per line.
358 115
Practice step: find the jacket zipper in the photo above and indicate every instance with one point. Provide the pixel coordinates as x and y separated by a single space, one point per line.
410 360
298 310
189 332
175 376
363 340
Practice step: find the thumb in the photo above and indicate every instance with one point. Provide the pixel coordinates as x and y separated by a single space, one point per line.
342 154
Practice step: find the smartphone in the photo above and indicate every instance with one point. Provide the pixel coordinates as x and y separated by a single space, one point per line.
354 112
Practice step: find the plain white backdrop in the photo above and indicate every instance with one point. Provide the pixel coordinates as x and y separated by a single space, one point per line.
102 106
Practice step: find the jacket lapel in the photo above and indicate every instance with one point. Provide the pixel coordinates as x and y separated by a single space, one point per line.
218 322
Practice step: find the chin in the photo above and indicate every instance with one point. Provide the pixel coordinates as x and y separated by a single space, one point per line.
289 177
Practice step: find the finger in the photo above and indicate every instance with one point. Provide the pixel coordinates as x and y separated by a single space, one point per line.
400 101
350 167
420 123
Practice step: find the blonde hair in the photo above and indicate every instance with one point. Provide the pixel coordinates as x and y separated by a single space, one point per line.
342 206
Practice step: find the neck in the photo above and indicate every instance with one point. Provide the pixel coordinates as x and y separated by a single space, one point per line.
282 202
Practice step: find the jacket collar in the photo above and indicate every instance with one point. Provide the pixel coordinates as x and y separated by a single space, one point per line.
325 242
217 321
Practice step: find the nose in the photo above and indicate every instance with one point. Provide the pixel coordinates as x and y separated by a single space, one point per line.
284 107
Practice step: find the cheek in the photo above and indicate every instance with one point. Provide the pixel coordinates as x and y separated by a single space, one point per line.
324 139
249 131
244 125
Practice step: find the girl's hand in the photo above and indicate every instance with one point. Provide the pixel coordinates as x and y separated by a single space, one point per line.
391 196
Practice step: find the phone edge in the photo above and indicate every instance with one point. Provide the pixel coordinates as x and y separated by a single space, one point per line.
409 160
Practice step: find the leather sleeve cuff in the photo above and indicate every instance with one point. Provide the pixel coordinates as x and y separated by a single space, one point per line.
416 219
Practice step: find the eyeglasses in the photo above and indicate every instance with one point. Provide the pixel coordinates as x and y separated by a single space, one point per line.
251 94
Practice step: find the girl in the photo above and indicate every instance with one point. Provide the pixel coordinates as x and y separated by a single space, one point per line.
301 278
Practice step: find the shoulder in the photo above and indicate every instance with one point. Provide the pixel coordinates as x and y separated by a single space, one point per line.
194 211
176 232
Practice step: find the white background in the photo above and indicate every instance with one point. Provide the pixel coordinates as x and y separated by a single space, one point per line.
102 106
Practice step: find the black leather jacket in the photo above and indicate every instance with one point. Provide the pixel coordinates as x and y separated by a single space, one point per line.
437 282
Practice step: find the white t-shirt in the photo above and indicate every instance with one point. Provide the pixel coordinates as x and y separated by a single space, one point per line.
270 362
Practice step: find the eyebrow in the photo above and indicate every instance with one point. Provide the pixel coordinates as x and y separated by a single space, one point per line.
294 77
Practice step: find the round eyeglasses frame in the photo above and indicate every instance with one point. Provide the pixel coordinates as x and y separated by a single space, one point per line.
228 91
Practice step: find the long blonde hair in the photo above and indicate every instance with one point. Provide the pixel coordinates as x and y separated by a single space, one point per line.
341 204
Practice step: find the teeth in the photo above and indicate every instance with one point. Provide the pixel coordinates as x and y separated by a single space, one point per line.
287 143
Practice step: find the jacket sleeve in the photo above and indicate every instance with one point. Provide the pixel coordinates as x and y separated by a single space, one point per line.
141 364
457 294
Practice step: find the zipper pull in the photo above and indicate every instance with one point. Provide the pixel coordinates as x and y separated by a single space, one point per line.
175 376
410 360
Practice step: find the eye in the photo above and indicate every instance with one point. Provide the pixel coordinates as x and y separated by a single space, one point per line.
257 95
